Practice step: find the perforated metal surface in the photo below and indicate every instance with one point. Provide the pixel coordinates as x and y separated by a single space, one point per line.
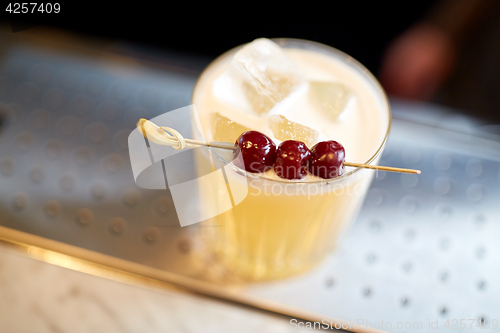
424 247
65 170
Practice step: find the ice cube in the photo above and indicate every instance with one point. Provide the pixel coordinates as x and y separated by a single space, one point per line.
331 97
284 129
258 77
225 129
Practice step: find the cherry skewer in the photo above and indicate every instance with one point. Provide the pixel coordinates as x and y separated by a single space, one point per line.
160 135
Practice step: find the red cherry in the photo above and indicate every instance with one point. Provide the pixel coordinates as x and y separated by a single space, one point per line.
256 152
291 159
327 160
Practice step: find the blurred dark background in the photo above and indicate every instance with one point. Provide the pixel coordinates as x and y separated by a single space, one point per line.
361 29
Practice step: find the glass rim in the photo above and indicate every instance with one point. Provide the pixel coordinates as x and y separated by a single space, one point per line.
288 42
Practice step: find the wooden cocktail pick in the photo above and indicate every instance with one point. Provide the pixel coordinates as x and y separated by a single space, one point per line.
160 136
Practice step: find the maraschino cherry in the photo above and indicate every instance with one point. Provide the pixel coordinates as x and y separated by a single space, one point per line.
255 152
291 160
327 160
